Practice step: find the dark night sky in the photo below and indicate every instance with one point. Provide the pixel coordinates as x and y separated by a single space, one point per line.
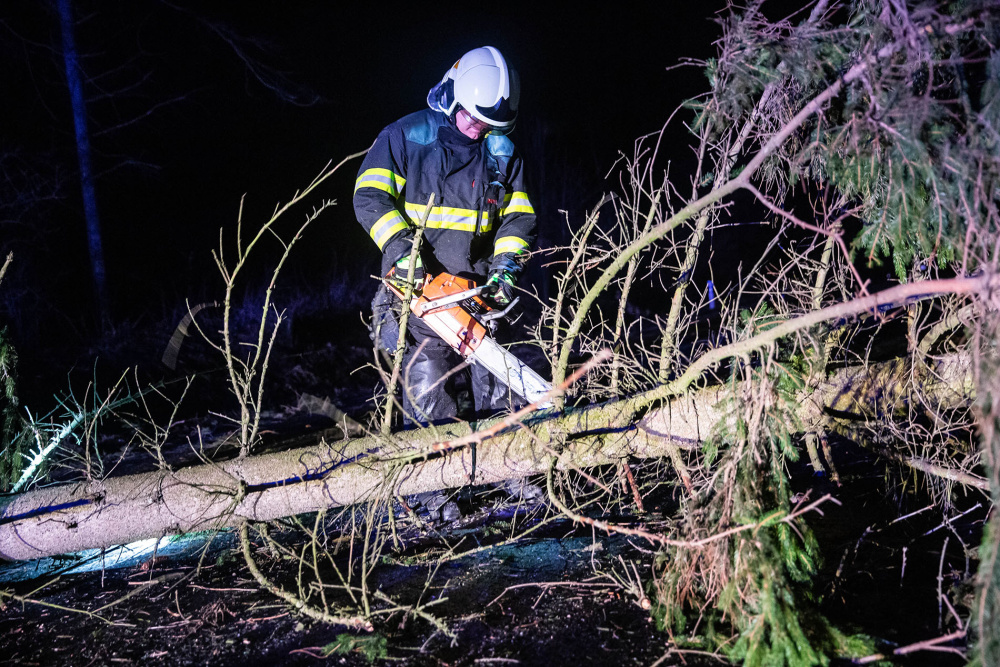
208 131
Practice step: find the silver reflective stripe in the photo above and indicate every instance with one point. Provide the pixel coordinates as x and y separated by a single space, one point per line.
513 372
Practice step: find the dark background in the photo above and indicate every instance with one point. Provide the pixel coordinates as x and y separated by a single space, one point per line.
193 105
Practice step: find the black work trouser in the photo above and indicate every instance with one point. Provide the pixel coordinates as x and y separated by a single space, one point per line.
435 392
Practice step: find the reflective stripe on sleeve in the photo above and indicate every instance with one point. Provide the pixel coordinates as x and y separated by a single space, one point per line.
516 202
510 244
381 179
386 226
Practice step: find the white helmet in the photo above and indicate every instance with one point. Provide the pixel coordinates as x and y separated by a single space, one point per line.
481 83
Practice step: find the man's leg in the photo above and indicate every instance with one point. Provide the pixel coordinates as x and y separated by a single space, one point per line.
429 397
425 397
429 394
491 395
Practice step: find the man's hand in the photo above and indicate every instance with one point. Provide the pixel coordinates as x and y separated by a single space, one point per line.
502 283
405 270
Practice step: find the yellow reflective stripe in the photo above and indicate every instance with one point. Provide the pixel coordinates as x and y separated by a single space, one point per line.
448 217
516 202
381 179
510 244
386 226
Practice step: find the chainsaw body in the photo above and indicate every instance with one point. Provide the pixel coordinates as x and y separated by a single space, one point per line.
452 307
456 325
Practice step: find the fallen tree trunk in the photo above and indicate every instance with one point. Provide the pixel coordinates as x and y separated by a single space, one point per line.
120 510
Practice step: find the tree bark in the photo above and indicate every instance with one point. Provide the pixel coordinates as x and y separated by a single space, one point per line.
104 513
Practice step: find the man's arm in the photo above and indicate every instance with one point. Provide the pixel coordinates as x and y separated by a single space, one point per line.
518 228
380 182
515 236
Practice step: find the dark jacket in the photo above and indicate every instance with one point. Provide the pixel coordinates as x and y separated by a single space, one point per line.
481 210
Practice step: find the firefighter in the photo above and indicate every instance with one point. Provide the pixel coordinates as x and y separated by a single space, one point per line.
481 225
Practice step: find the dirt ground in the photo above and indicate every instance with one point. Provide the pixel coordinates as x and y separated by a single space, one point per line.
535 602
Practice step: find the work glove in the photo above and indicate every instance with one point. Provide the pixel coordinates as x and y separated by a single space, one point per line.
502 285
400 273
502 275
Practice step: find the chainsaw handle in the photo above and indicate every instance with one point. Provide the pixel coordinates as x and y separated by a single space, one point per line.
434 305
497 314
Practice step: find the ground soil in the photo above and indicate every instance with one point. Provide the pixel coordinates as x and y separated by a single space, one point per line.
539 601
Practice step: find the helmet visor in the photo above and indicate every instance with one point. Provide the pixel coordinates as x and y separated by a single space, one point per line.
500 114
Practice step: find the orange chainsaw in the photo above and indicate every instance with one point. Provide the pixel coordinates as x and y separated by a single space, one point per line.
454 309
